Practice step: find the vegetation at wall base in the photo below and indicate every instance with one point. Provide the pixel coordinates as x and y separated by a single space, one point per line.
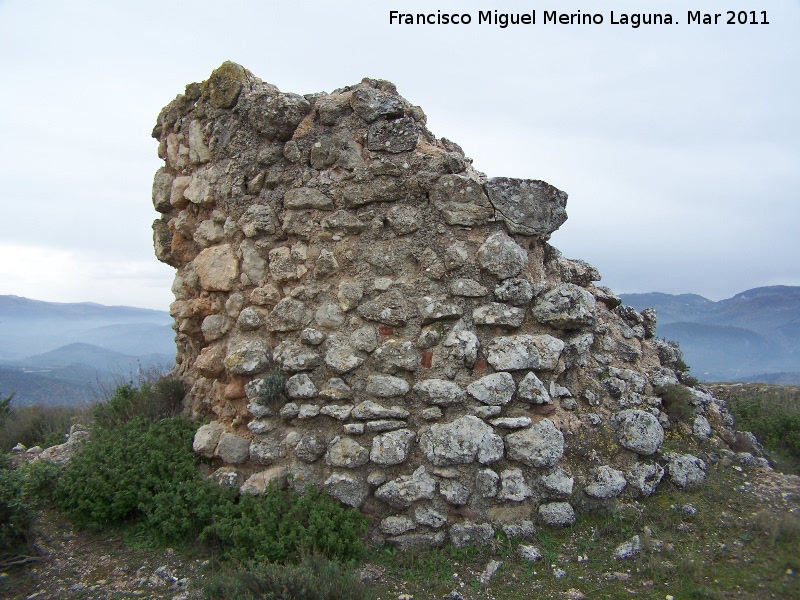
282 526
734 545
139 470
738 543
313 577
677 402
772 413
127 472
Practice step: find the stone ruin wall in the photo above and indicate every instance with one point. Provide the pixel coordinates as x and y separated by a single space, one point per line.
358 308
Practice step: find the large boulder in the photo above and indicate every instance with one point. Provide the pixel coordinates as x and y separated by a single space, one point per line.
527 207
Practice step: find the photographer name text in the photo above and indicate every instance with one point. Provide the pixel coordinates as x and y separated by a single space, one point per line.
554 17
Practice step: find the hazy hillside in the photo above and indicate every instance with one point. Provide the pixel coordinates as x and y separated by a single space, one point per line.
29 327
61 353
753 336
36 387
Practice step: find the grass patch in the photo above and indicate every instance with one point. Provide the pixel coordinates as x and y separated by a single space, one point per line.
732 547
314 577
36 425
772 413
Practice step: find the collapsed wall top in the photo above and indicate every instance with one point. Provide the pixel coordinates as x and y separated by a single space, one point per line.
358 307
356 146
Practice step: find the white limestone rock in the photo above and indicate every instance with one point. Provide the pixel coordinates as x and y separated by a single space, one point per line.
392 448
639 431
465 533
541 445
346 452
605 482
566 306
644 478
386 386
557 514
524 351
347 489
462 441
206 439
513 486
395 525
299 387
439 392
685 470
496 389
405 490
557 484
531 389
233 449
501 256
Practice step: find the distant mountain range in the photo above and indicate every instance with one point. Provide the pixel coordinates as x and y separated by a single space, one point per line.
67 353
753 336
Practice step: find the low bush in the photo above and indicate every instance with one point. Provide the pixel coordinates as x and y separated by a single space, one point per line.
313 578
282 525
22 491
15 514
677 401
151 401
120 474
143 472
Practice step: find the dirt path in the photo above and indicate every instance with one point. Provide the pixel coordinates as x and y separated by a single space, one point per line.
74 564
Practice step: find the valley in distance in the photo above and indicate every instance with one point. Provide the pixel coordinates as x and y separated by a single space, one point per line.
69 354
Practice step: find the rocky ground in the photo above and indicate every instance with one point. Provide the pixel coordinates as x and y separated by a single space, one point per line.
742 542
71 563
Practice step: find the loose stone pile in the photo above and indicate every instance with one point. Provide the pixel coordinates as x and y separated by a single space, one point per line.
358 308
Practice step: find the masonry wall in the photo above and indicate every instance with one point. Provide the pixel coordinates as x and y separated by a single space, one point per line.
358 308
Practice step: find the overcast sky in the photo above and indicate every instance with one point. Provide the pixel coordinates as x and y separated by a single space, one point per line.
679 145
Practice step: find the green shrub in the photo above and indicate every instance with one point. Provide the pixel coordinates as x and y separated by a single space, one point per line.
151 401
118 475
21 492
5 405
282 525
313 578
144 473
183 513
677 401
270 390
16 515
